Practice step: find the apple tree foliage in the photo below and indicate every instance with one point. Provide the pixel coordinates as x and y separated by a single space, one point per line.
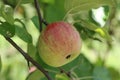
77 12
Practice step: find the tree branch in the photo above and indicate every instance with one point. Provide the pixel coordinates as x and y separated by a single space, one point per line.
28 58
41 20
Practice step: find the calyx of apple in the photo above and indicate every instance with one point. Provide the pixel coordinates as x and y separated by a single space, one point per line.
59 44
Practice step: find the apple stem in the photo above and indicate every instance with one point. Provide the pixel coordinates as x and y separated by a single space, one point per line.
41 20
28 58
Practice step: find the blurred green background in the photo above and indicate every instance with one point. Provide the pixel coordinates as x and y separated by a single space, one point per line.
14 66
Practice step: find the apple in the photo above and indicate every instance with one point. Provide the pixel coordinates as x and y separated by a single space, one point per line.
59 44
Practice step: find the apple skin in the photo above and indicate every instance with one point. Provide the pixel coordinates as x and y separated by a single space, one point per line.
59 44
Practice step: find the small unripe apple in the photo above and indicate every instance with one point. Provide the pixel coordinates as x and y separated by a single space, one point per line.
59 44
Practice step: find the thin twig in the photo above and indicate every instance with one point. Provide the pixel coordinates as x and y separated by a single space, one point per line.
39 13
27 57
44 22
41 20
67 73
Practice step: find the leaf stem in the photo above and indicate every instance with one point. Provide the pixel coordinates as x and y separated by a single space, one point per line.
28 58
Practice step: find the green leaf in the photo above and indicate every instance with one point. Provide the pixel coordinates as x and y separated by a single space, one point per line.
7 13
79 7
31 50
101 31
62 76
48 1
0 64
101 73
92 19
81 67
26 1
86 33
7 29
74 6
12 3
36 75
23 34
114 74
54 12
72 64
35 21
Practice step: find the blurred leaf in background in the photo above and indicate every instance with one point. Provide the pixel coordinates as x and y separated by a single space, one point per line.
54 12
7 29
0 64
36 75
101 73
98 22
